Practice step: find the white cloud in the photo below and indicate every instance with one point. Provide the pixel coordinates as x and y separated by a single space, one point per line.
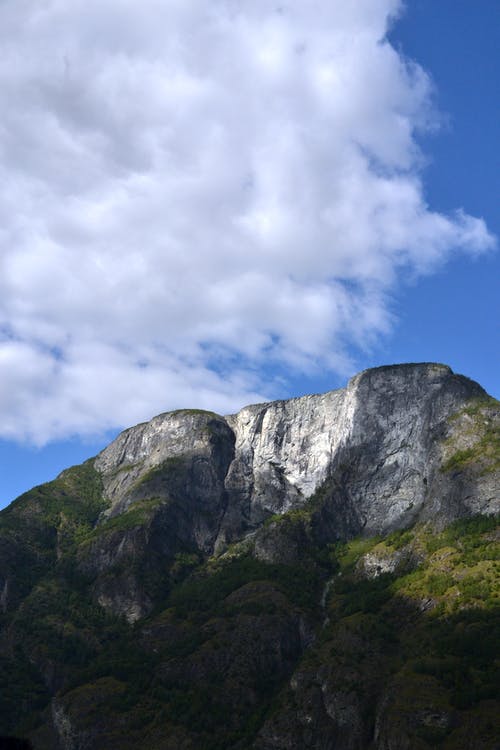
185 183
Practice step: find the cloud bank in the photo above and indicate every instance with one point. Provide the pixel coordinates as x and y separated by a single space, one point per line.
192 192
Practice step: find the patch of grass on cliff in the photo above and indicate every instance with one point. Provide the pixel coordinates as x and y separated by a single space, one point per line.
485 453
196 412
124 468
59 513
205 592
461 565
400 538
348 553
138 514
479 425
458 570
164 469
476 407
361 595
467 533
296 516
77 493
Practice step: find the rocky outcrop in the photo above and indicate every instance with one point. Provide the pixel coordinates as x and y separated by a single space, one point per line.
183 455
164 486
378 562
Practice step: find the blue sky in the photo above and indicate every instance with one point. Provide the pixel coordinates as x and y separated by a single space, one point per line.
296 312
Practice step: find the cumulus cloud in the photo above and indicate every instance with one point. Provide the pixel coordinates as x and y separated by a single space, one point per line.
192 191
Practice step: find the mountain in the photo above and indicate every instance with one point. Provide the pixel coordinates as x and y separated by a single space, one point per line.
313 573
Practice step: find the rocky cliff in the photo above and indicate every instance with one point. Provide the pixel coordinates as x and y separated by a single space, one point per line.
379 444
208 549
385 436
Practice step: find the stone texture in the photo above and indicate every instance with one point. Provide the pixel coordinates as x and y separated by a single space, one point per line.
377 563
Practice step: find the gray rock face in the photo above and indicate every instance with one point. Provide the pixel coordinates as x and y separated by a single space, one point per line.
374 563
382 436
284 451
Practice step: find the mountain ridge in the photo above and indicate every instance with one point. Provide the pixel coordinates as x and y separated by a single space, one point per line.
198 548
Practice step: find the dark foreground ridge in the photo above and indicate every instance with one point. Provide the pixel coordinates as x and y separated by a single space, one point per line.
315 573
14 743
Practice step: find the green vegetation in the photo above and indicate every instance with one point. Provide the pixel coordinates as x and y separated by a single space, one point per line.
476 408
46 525
426 637
70 505
184 563
452 637
480 425
24 694
138 514
486 453
296 516
163 471
215 657
195 412
205 592
122 468
400 538
348 554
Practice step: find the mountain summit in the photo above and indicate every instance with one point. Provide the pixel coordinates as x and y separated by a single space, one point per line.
199 550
